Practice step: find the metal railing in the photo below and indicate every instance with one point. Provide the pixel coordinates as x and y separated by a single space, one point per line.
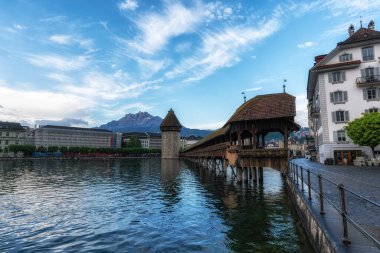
315 182
368 79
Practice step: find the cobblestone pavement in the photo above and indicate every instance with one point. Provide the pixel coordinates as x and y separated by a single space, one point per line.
364 181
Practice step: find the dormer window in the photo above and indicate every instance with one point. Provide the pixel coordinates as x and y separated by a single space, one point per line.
367 53
345 57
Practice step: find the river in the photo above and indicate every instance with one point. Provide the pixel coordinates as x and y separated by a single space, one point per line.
141 205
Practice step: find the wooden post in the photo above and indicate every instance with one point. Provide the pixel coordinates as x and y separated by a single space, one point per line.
261 175
239 175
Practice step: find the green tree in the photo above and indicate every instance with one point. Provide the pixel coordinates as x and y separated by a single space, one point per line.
52 149
133 142
365 131
41 149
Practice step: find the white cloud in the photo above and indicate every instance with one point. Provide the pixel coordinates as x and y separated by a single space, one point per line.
61 39
58 62
19 27
307 44
210 125
63 122
253 89
129 5
222 49
67 40
301 110
59 77
217 11
157 29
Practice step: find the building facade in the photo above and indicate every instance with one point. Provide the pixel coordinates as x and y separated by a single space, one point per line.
11 133
342 86
147 139
170 129
74 137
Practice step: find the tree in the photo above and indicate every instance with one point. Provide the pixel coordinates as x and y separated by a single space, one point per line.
365 131
133 142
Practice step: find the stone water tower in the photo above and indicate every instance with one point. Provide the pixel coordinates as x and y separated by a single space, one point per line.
170 129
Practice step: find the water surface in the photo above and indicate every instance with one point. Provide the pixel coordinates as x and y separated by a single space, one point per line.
141 205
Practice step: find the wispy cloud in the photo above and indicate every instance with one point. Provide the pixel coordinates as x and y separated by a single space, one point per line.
222 49
59 77
63 122
67 40
127 5
58 62
253 89
156 29
307 44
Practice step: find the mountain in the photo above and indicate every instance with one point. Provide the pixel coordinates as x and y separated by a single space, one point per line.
144 122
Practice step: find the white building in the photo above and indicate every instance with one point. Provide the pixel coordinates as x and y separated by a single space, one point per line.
148 140
11 133
74 137
342 86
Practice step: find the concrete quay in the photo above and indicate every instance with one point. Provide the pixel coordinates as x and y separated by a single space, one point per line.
326 230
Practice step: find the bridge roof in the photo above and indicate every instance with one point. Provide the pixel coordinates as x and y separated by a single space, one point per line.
277 105
215 134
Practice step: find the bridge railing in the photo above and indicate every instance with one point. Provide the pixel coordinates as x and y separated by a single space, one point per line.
351 205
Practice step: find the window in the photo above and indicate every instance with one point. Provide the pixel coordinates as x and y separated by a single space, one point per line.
367 53
371 93
369 72
345 57
370 110
7 134
6 142
337 77
340 116
341 135
338 97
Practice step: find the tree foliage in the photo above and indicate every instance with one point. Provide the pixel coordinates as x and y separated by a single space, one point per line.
26 149
365 131
133 142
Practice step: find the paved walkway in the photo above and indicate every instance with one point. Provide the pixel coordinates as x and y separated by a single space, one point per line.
364 181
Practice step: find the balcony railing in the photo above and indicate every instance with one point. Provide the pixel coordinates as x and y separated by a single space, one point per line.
314 111
368 80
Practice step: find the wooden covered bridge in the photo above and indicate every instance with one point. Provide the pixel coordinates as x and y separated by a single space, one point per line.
240 143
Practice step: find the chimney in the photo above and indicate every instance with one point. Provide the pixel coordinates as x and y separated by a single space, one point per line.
351 30
319 58
371 25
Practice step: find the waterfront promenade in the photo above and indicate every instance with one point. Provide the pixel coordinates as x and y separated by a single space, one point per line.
364 181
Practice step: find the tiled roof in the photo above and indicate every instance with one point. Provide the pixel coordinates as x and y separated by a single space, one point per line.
268 106
11 126
362 34
338 65
170 121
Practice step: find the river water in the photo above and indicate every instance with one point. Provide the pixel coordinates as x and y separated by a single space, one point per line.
141 205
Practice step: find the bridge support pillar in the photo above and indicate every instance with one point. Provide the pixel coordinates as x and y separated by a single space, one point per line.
254 174
239 175
261 175
213 164
224 164
245 171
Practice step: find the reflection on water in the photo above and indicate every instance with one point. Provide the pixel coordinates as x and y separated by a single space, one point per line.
140 205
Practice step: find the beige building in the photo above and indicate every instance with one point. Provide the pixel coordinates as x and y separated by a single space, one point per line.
74 137
11 133
148 140
170 129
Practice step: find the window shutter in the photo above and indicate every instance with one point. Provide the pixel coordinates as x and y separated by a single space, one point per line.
378 93
333 116
345 97
335 136
365 94
343 74
362 71
330 77
350 57
377 72
340 58
346 117
332 97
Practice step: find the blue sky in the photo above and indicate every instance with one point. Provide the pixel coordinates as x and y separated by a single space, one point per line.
85 63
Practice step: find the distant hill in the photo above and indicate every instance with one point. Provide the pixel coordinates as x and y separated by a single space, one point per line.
145 122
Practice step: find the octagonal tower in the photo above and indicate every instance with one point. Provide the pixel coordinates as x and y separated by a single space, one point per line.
170 129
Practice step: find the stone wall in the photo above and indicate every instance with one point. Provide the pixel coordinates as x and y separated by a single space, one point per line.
170 144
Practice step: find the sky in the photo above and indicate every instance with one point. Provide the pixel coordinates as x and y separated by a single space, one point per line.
85 63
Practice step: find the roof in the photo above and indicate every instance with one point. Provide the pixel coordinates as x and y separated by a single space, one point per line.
170 121
337 65
267 106
11 126
363 34
215 134
77 128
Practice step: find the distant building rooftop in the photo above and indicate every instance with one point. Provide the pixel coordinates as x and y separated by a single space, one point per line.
76 128
11 126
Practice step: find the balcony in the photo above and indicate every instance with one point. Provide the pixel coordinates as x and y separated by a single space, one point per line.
368 80
314 112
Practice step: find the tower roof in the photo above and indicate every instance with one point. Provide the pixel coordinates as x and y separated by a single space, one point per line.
170 122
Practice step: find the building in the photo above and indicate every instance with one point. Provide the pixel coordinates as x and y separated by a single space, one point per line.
147 139
11 133
170 129
189 140
342 86
74 137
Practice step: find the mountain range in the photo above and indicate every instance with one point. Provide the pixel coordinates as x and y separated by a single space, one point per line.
145 122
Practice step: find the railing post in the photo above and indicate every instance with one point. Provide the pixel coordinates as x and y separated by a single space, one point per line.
302 189
309 183
297 174
343 212
322 212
